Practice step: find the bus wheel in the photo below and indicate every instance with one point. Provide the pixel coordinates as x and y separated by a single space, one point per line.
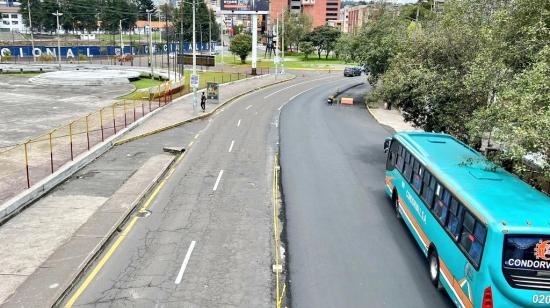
434 268
396 205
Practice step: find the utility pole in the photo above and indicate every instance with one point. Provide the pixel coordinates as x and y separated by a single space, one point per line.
221 37
277 48
57 14
182 73
150 42
30 26
194 75
121 42
283 45
418 10
209 32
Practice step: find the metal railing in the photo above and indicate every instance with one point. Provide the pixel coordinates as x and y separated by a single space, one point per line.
25 164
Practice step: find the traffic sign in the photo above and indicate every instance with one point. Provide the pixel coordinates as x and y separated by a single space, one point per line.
194 81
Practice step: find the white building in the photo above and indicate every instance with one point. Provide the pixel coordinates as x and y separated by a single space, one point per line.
11 20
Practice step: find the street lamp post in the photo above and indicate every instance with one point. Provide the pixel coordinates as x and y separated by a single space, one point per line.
283 44
57 14
121 41
194 62
30 27
150 42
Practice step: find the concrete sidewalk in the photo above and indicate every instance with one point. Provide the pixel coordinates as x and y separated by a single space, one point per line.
391 118
53 235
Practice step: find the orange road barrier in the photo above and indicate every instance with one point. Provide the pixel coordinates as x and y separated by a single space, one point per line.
346 101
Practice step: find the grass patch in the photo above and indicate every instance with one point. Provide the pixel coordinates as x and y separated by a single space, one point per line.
144 83
204 78
24 74
295 61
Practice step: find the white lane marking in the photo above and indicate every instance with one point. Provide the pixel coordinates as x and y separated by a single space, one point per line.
290 99
239 123
249 106
196 136
185 261
281 107
218 180
231 146
294 85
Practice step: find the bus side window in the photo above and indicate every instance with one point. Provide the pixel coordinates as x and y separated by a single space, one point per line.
455 216
441 206
428 189
409 168
417 177
392 155
472 237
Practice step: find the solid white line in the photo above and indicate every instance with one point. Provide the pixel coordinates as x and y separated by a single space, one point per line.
249 106
231 146
185 261
294 85
310 90
218 180
239 123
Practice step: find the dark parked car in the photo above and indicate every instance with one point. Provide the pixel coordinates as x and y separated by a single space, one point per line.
352 71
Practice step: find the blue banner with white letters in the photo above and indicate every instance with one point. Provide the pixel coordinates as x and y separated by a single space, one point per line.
91 51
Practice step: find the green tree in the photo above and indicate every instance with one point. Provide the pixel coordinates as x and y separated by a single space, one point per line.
347 48
306 48
143 6
36 13
297 25
205 19
114 11
323 38
241 45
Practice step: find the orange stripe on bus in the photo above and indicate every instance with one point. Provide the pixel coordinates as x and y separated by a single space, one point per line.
455 285
416 226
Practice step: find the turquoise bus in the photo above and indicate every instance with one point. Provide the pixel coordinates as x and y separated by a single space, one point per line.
485 233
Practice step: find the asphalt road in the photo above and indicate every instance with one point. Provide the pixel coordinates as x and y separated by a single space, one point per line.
346 247
208 241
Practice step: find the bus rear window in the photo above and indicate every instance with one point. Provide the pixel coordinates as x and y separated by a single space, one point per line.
527 252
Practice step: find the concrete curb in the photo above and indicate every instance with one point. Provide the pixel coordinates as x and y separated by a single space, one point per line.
204 115
30 295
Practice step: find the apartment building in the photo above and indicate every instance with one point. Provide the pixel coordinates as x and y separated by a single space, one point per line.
321 11
11 19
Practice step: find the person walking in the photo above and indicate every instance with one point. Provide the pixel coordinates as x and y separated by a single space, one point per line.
203 102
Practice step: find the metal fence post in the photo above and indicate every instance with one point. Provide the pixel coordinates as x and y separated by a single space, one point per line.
124 108
134 105
71 138
142 109
158 93
114 119
27 164
87 132
51 150
101 122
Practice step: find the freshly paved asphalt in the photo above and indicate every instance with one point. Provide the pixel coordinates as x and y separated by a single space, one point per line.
231 222
346 247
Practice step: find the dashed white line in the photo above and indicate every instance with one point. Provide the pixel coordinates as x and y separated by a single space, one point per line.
185 261
231 146
218 180
196 136
249 106
294 85
239 123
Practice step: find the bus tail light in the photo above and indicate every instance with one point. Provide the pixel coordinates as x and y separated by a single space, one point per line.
487 298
